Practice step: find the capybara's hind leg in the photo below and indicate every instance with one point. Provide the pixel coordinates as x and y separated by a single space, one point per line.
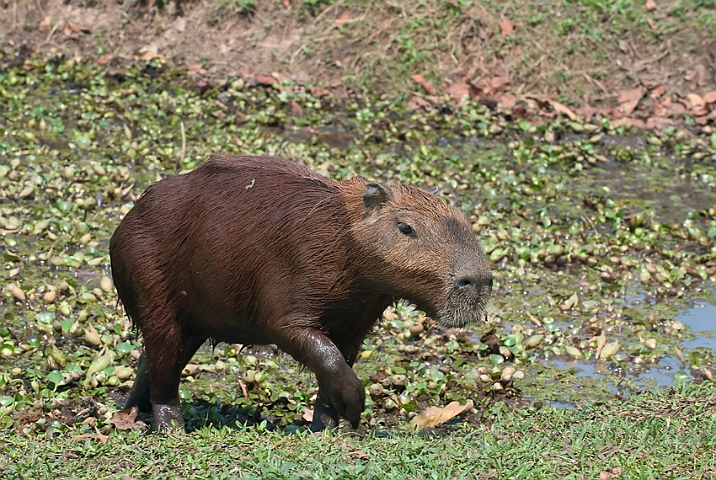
139 396
167 353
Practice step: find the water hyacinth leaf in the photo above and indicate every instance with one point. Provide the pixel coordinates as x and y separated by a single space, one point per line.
573 352
55 377
125 347
609 350
99 364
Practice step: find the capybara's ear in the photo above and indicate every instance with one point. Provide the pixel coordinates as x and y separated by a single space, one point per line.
376 195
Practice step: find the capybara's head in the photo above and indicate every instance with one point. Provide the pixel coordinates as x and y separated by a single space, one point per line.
425 251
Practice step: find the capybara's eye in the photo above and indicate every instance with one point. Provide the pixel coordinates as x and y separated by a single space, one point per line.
406 229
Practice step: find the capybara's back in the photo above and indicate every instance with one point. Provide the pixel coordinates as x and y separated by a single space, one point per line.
259 250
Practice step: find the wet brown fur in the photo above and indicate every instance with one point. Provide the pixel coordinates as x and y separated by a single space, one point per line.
259 250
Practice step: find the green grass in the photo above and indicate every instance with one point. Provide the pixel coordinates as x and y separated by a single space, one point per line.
667 434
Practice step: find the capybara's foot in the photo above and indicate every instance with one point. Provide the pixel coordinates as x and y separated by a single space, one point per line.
324 416
167 416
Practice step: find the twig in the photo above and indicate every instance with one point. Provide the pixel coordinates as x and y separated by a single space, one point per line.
182 152
39 7
52 32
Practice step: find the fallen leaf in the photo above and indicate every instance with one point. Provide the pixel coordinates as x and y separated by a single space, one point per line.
508 101
629 99
631 95
45 23
343 18
266 80
319 92
358 454
77 28
427 86
587 111
125 419
676 109
196 68
658 123
190 369
98 436
500 82
657 92
558 107
650 5
296 110
695 100
287 4
149 52
433 416
652 23
461 91
506 27
418 102
710 97
308 414
103 59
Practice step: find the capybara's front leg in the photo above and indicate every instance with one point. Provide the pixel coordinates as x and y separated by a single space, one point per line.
167 355
340 392
139 396
324 415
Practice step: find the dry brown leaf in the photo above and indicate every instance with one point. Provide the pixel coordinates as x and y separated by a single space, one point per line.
506 27
461 91
629 99
433 416
266 80
710 97
650 5
296 110
287 4
358 454
103 59
308 415
417 103
427 86
149 52
196 68
508 101
558 107
319 92
343 18
676 109
652 23
695 100
631 95
45 23
98 436
500 82
657 91
125 419
587 111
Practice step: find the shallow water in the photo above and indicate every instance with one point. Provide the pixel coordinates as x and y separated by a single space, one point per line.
701 319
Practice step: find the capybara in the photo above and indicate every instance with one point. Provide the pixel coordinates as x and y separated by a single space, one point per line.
261 250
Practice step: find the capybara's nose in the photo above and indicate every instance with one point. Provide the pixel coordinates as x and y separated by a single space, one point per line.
470 282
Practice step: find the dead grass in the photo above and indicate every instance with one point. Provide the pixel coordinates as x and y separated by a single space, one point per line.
570 51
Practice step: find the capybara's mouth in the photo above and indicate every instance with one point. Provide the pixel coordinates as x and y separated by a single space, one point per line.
460 309
451 318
